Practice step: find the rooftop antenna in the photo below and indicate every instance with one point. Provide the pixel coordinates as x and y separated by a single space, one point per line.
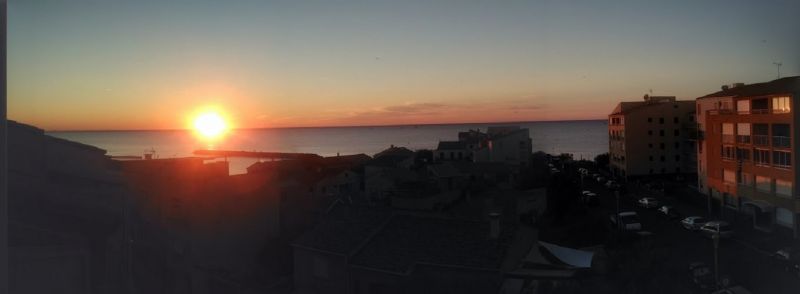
778 65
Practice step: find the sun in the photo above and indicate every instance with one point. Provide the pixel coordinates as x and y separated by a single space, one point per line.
210 125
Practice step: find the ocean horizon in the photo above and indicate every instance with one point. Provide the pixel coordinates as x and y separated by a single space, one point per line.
583 138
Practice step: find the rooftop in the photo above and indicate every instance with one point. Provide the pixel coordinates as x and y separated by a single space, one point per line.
452 145
344 229
779 86
407 240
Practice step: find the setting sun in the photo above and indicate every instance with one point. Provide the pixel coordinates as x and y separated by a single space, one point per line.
210 125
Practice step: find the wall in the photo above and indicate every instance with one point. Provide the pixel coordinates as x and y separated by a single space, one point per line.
319 272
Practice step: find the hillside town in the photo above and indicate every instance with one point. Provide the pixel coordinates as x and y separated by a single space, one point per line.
694 196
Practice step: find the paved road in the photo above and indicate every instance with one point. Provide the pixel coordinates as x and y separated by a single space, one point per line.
747 265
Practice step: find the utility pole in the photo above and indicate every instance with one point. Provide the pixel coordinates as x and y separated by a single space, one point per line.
715 237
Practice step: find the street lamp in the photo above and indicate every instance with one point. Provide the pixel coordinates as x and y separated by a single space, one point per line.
715 237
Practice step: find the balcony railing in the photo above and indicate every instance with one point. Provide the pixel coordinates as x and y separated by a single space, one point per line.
743 139
781 141
721 111
759 111
728 138
761 140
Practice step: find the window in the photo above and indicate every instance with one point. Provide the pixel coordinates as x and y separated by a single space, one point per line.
661 120
781 136
763 184
759 106
761 157
649 119
743 154
663 158
677 158
320 268
661 133
675 120
761 134
727 133
781 105
651 158
783 188
677 145
745 179
676 132
728 152
650 145
743 106
661 145
650 132
743 133
729 176
782 158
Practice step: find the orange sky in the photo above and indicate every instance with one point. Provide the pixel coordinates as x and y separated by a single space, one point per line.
149 64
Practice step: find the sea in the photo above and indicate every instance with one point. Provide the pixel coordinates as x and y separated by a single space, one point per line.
584 139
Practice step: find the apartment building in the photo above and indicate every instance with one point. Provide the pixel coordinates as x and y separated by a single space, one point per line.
746 160
655 136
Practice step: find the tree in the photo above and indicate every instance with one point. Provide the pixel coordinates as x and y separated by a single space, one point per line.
601 160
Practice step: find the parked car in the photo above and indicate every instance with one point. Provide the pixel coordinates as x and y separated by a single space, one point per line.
591 199
717 227
789 259
701 275
669 211
601 180
626 220
693 222
733 290
611 184
648 202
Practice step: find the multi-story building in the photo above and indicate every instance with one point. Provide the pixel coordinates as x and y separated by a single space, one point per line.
652 137
507 144
746 152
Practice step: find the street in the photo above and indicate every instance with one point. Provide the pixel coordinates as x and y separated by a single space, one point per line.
676 247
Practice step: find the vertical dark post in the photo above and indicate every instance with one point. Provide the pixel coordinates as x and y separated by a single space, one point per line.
716 259
3 158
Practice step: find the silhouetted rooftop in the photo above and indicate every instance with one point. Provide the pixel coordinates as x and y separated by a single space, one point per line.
344 229
779 86
451 145
407 240
395 151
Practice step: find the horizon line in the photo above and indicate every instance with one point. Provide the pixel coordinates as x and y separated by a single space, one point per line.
326 127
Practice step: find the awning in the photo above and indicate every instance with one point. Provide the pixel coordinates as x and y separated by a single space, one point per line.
572 257
762 205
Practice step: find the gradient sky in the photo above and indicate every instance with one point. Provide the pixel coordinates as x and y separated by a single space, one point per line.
106 64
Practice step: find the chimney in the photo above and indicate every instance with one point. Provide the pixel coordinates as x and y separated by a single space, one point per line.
494 225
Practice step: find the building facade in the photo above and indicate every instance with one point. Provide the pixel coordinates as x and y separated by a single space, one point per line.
652 137
746 155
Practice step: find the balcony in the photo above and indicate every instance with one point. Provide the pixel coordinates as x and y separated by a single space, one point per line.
760 111
743 139
728 138
761 140
721 111
781 141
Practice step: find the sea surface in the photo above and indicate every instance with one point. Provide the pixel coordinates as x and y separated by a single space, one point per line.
584 139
